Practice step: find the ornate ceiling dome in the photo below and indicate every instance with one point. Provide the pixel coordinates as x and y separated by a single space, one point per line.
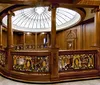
38 19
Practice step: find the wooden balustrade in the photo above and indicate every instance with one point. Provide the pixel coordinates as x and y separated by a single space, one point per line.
30 63
32 66
77 60
30 47
2 58
78 64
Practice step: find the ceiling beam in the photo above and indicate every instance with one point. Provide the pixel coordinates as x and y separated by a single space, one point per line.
76 1
18 1
34 1
77 5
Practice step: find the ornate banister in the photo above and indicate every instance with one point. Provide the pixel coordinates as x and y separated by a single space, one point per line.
31 61
77 60
35 65
2 58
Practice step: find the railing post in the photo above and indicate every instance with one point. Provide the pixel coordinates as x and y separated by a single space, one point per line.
9 40
98 61
54 50
54 64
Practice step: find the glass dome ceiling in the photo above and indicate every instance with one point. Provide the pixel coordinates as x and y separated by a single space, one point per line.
38 19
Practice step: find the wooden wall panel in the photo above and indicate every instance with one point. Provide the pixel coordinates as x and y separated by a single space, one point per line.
88 35
79 37
62 37
60 40
84 40
85 37
4 39
16 39
40 38
29 38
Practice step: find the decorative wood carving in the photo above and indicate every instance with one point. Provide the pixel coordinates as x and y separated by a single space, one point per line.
95 10
89 2
71 39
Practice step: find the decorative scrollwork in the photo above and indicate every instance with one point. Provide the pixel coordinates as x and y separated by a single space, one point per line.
2 58
30 63
76 62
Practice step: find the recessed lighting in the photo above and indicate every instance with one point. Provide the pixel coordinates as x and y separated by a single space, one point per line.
42 33
28 33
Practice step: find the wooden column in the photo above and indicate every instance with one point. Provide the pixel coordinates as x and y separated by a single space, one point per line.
53 27
24 40
9 30
97 37
0 35
47 40
35 41
9 40
54 50
97 29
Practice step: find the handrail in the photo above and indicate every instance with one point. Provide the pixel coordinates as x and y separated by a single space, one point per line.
29 46
36 65
34 53
61 52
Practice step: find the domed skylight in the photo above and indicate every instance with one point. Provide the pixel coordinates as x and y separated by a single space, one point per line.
38 19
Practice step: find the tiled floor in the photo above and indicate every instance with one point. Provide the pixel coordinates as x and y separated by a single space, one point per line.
4 81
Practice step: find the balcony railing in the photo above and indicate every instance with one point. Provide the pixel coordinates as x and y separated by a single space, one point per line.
2 58
77 60
30 47
31 61
37 65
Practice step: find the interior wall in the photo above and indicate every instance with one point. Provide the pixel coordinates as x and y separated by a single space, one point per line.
81 37
40 38
88 36
84 37
16 38
29 39
76 38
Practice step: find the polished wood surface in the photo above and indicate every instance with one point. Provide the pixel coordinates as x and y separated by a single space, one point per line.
85 37
9 40
71 41
77 74
35 1
0 35
35 40
97 29
90 2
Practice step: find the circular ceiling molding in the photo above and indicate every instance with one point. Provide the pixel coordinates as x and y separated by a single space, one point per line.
38 19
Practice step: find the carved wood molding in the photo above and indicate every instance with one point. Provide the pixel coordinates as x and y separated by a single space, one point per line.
89 2
95 10
70 39
71 34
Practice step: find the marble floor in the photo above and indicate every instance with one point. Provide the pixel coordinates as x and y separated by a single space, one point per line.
4 81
